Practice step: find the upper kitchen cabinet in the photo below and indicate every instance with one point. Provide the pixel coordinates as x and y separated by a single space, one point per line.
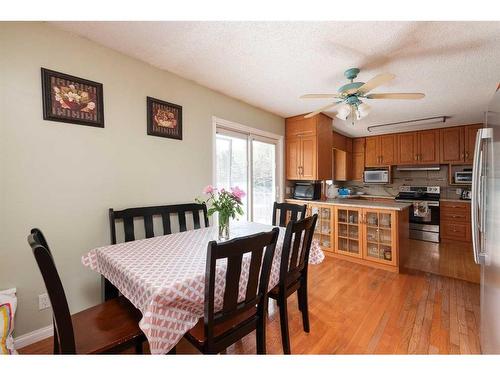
428 147
380 150
308 148
358 159
470 141
452 145
407 148
457 144
421 147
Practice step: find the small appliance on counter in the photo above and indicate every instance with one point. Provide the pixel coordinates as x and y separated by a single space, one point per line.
466 195
344 192
307 191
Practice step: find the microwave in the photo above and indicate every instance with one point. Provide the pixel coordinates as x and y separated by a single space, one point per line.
307 190
376 176
463 177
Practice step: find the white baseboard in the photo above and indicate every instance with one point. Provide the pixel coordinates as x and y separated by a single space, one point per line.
33 336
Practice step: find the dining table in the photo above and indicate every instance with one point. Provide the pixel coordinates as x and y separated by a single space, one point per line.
164 277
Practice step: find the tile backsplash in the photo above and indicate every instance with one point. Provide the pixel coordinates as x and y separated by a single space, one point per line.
414 178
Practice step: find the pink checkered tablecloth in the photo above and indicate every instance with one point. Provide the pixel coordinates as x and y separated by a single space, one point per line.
164 277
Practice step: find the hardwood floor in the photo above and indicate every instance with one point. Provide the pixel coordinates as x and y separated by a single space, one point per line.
453 259
356 309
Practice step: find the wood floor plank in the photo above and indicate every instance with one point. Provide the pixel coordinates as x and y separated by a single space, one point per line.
356 309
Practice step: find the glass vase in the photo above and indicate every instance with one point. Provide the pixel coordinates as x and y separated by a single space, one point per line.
223 228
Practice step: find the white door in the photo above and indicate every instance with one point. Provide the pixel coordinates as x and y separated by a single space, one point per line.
250 162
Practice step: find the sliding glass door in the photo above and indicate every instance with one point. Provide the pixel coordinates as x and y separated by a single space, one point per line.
250 162
263 180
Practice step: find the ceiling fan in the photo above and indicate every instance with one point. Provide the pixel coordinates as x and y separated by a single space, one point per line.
349 96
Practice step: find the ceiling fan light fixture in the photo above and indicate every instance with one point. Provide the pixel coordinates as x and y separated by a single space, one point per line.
362 111
343 111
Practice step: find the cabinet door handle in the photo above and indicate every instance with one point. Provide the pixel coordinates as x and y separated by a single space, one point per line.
466 155
416 157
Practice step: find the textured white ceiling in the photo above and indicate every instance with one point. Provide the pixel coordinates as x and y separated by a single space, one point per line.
270 64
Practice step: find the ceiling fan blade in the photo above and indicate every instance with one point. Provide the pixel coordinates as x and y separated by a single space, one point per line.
319 96
321 109
376 82
397 95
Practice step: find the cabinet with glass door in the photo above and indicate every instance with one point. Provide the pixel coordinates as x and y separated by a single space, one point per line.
379 242
323 232
348 231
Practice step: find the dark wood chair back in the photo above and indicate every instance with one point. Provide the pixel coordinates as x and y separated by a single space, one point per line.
296 248
147 213
297 211
64 338
256 290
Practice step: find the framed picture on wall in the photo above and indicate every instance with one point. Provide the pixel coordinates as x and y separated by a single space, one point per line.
72 99
164 119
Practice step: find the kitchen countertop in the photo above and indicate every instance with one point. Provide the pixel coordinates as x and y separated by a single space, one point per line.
352 202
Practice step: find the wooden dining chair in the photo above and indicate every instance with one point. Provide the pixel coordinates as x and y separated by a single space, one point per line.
293 273
127 217
238 317
106 328
297 211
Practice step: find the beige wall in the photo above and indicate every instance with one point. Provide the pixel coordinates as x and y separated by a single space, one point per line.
63 178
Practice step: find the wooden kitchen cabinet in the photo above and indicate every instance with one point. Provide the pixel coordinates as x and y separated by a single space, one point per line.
452 145
358 166
380 151
428 147
358 159
457 144
293 156
387 149
407 148
308 148
470 132
420 147
324 229
309 157
348 231
455 221
379 239
371 152
376 237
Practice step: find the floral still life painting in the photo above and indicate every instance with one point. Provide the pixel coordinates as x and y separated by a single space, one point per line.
71 99
164 119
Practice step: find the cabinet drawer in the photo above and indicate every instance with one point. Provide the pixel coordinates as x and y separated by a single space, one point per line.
455 231
445 205
455 215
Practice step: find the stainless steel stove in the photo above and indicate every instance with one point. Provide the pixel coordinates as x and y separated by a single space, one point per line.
425 226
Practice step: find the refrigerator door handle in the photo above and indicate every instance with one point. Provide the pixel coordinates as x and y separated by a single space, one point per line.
478 194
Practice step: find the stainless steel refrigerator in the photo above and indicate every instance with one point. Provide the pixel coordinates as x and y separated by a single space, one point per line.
485 208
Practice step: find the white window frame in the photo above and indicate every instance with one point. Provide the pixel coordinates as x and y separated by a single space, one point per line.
251 134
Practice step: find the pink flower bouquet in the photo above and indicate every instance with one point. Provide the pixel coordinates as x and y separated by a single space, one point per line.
226 203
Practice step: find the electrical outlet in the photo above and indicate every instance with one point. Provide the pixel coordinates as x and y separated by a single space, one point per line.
458 191
43 301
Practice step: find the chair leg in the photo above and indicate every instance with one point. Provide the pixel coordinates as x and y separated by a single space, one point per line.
285 336
139 347
173 350
260 335
302 294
